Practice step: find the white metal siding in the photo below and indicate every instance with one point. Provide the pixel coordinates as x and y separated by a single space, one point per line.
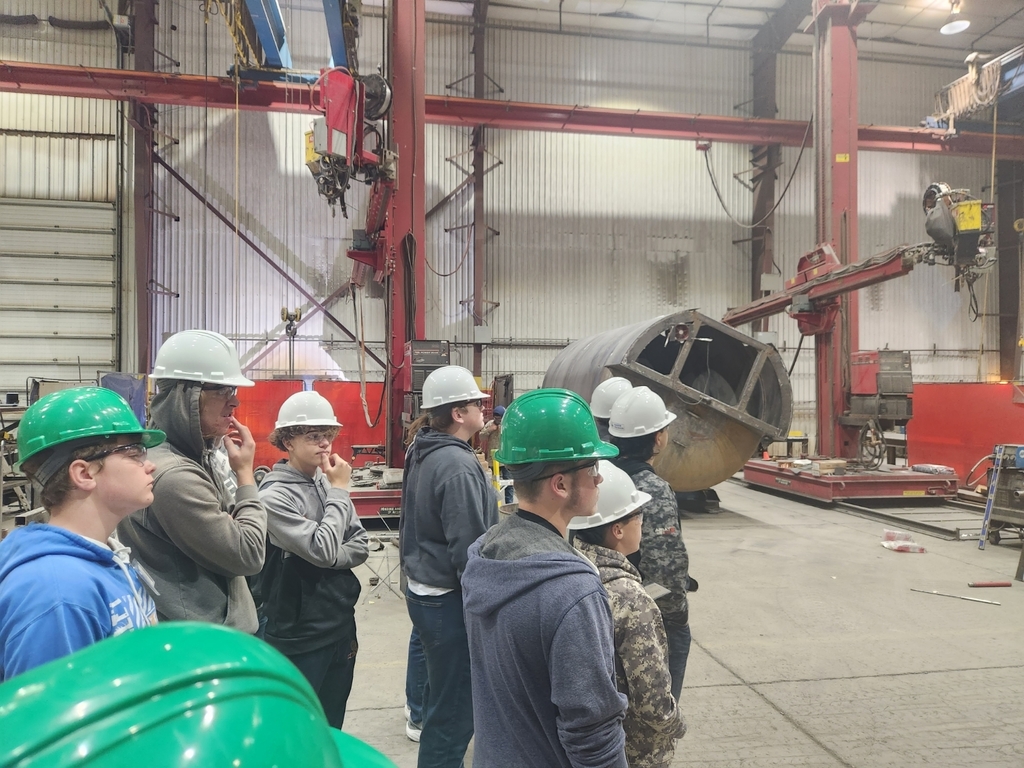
593 232
58 291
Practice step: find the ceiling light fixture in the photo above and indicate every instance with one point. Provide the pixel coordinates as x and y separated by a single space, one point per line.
955 23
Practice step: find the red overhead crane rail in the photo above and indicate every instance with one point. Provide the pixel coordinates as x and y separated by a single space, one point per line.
219 93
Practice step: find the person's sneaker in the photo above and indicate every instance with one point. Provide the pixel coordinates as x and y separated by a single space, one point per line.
412 731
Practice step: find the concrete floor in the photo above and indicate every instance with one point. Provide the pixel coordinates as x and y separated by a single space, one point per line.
808 647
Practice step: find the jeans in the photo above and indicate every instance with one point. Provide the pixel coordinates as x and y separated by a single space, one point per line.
330 670
415 679
448 695
677 628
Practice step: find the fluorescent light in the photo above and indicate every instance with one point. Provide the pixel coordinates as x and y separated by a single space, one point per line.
955 23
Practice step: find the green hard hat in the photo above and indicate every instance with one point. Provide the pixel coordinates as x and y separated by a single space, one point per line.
550 425
177 694
74 414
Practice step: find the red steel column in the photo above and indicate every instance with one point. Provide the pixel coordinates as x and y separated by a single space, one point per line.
407 220
835 141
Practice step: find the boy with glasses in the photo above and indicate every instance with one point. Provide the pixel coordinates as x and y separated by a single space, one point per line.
610 539
67 584
307 586
447 503
206 529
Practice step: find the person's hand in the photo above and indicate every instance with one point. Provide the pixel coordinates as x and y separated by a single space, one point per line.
241 450
337 470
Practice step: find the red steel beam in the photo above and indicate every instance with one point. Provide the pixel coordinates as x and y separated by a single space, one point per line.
838 282
219 93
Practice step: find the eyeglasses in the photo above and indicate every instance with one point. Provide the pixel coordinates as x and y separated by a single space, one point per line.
220 390
591 468
478 403
321 436
134 451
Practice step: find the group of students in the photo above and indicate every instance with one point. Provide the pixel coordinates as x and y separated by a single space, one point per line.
206 543
551 652
558 636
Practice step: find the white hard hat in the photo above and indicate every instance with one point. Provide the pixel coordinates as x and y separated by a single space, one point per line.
306 409
605 395
450 384
616 498
199 356
639 412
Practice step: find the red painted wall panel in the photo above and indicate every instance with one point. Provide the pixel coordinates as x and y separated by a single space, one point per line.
344 398
259 406
957 424
258 411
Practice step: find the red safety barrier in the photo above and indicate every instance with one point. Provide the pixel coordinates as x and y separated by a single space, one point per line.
259 406
258 411
957 424
344 398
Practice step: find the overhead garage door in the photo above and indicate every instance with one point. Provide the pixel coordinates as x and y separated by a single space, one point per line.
58 291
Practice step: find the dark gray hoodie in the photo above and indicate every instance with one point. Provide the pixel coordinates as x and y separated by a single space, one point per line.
543 653
196 544
446 504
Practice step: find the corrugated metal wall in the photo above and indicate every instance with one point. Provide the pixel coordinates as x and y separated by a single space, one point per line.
39 156
919 312
61 149
592 232
252 163
589 232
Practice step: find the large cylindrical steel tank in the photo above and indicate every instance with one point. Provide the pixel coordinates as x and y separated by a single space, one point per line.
728 390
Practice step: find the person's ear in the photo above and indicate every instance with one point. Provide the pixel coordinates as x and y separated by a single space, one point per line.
618 531
458 416
559 485
83 474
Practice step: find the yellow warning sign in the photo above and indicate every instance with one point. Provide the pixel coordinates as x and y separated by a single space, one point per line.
913 493
842 158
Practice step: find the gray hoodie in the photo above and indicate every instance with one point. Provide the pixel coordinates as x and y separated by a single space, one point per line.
307 588
196 544
542 651
446 504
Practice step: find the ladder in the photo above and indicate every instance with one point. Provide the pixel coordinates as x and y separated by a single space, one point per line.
997 464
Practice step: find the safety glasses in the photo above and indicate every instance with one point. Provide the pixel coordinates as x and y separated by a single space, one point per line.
134 451
591 469
320 436
220 390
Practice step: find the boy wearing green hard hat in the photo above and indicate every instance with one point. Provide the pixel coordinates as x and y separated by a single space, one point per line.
67 584
540 630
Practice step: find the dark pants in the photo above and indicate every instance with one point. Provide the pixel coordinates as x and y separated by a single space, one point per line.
415 679
448 697
329 670
677 628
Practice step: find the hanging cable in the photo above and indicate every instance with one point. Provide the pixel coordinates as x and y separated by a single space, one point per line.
796 355
718 192
465 253
360 318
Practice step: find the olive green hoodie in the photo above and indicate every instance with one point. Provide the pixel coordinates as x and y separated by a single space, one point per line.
196 543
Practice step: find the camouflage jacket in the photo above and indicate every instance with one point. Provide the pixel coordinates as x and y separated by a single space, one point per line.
664 559
653 721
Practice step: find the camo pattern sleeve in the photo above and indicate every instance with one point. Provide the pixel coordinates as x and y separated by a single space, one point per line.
664 559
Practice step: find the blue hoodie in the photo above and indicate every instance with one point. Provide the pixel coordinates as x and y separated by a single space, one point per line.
60 592
542 652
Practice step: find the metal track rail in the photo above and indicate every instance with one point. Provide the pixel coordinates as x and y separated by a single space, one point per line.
953 530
